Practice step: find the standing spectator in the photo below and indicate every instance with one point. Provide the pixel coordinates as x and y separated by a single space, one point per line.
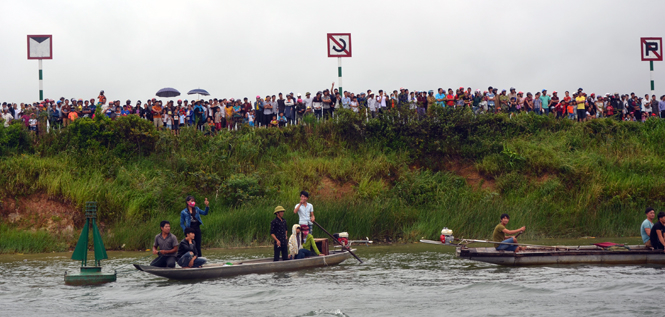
33 123
7 117
440 98
504 101
646 107
317 105
327 104
289 105
491 103
545 101
300 109
258 109
101 98
661 106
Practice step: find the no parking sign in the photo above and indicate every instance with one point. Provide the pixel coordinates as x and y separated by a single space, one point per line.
652 48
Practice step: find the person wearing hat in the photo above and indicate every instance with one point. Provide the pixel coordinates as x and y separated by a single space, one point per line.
278 234
308 102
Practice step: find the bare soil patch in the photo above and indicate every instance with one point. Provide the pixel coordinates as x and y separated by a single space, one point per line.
471 175
39 211
331 190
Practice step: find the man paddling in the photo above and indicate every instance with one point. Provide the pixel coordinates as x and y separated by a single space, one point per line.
647 224
168 246
500 233
657 240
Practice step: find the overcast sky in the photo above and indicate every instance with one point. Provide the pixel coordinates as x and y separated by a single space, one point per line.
235 49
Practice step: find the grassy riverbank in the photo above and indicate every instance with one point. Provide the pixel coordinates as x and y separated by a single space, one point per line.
387 178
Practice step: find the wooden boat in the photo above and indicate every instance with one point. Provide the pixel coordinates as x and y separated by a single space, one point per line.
558 255
259 266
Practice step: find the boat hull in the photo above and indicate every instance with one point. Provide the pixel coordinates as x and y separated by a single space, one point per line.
637 255
260 266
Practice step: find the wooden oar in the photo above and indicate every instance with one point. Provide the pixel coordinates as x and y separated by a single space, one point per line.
522 244
335 240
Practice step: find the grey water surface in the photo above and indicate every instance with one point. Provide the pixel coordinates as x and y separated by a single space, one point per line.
396 280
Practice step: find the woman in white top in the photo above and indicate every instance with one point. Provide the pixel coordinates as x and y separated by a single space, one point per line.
354 104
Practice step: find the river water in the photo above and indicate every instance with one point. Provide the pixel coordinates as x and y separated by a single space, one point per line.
398 280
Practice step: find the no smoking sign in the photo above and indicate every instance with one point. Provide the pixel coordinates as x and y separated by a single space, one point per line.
339 44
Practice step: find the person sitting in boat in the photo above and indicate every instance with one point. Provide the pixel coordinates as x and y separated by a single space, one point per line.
647 224
187 256
168 246
656 236
299 250
500 233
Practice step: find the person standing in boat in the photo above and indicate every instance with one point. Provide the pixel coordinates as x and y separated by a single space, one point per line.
190 217
168 246
187 251
500 233
305 212
647 224
656 236
278 234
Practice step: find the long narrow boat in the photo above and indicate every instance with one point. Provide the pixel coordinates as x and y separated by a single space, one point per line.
259 266
541 255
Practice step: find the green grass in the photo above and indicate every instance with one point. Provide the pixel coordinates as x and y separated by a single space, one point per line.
558 178
26 241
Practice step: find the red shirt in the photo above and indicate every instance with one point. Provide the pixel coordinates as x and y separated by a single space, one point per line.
450 100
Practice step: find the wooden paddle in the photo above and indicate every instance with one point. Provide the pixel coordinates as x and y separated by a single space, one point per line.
335 240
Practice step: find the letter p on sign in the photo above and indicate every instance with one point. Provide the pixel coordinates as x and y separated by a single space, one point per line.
652 48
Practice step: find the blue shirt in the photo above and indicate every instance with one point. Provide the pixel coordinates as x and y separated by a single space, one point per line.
646 224
345 102
442 97
490 99
186 217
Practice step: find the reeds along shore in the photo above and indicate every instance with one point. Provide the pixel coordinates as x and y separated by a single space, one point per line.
393 178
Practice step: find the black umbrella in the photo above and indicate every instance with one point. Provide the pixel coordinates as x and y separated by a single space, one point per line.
199 92
168 93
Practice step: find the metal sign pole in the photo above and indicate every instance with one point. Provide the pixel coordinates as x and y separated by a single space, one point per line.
651 75
41 82
339 74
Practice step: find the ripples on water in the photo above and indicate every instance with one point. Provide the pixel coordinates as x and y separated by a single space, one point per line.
409 280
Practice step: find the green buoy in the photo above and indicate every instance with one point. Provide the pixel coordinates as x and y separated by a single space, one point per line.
90 275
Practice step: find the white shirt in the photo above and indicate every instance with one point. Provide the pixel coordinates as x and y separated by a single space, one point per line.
383 100
7 117
371 104
308 102
304 213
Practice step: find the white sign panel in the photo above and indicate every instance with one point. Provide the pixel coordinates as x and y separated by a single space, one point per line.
652 48
40 47
339 44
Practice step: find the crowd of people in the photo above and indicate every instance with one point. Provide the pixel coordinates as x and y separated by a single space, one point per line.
283 109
